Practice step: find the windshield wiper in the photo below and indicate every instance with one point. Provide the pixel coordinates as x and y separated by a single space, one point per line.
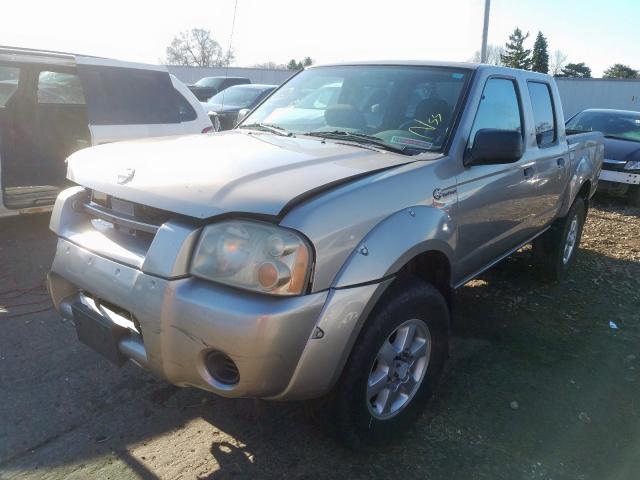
364 139
266 127
576 130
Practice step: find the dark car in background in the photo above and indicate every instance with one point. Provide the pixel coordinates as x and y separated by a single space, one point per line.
228 103
621 169
207 87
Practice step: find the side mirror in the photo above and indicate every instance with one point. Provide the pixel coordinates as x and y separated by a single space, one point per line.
492 146
242 113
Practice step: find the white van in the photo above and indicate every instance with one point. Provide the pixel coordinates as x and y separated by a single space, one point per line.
52 104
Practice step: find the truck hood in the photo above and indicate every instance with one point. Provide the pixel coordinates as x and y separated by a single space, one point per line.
236 171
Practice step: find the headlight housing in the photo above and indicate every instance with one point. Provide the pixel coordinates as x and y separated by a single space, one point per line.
632 165
253 255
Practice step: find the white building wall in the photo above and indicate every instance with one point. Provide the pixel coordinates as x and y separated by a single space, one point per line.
191 75
578 94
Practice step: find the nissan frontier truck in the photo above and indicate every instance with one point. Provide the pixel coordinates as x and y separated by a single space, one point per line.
313 251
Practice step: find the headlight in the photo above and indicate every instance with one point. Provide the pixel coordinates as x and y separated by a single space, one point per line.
253 255
633 165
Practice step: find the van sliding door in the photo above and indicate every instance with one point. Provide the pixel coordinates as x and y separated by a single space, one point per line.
46 122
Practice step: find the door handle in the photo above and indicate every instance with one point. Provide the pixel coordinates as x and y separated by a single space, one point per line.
560 162
528 171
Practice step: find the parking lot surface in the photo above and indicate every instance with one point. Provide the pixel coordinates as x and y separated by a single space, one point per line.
543 383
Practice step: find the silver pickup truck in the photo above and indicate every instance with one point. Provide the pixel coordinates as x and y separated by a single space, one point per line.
313 251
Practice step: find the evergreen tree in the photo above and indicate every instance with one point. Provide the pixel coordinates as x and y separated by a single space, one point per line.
294 65
576 70
540 57
516 56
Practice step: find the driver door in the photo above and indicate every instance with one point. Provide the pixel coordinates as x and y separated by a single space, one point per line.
494 201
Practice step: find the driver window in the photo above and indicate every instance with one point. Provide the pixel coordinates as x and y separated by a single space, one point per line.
499 108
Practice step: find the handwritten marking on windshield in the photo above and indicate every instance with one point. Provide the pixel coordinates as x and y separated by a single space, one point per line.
424 129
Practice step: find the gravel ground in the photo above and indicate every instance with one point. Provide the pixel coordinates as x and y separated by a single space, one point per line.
542 384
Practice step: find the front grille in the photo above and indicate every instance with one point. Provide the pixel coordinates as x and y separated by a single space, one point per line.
127 217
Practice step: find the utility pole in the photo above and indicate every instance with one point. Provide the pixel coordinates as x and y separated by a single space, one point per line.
485 32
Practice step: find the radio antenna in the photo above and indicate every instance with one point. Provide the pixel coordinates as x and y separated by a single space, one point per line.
233 26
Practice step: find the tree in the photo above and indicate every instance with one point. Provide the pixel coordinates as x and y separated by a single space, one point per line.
620 71
540 57
196 47
516 56
494 55
558 62
295 65
576 70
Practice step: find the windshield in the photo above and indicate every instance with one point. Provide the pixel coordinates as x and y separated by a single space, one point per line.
625 125
236 96
209 82
406 107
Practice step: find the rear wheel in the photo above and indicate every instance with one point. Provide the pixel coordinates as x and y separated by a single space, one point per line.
394 366
555 250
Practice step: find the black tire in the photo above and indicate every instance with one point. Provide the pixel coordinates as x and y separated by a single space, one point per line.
549 248
633 195
409 299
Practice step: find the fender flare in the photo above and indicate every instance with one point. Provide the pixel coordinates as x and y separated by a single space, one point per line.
394 241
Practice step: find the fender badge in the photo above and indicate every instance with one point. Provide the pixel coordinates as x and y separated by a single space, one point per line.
126 176
440 193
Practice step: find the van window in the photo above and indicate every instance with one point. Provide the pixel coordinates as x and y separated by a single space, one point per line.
59 88
9 77
543 116
128 96
499 108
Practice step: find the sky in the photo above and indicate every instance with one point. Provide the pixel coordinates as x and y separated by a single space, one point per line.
593 31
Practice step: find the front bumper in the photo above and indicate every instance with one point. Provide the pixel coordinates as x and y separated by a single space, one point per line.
620 177
182 320
283 347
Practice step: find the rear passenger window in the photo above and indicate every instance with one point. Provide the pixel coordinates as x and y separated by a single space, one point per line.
9 77
543 116
499 108
128 96
59 88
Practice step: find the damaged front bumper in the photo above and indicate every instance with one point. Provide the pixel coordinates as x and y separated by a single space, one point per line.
171 323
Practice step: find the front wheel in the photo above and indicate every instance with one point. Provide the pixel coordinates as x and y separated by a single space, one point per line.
555 250
394 366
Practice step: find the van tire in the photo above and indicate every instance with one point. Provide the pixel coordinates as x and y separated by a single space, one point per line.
409 303
550 250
